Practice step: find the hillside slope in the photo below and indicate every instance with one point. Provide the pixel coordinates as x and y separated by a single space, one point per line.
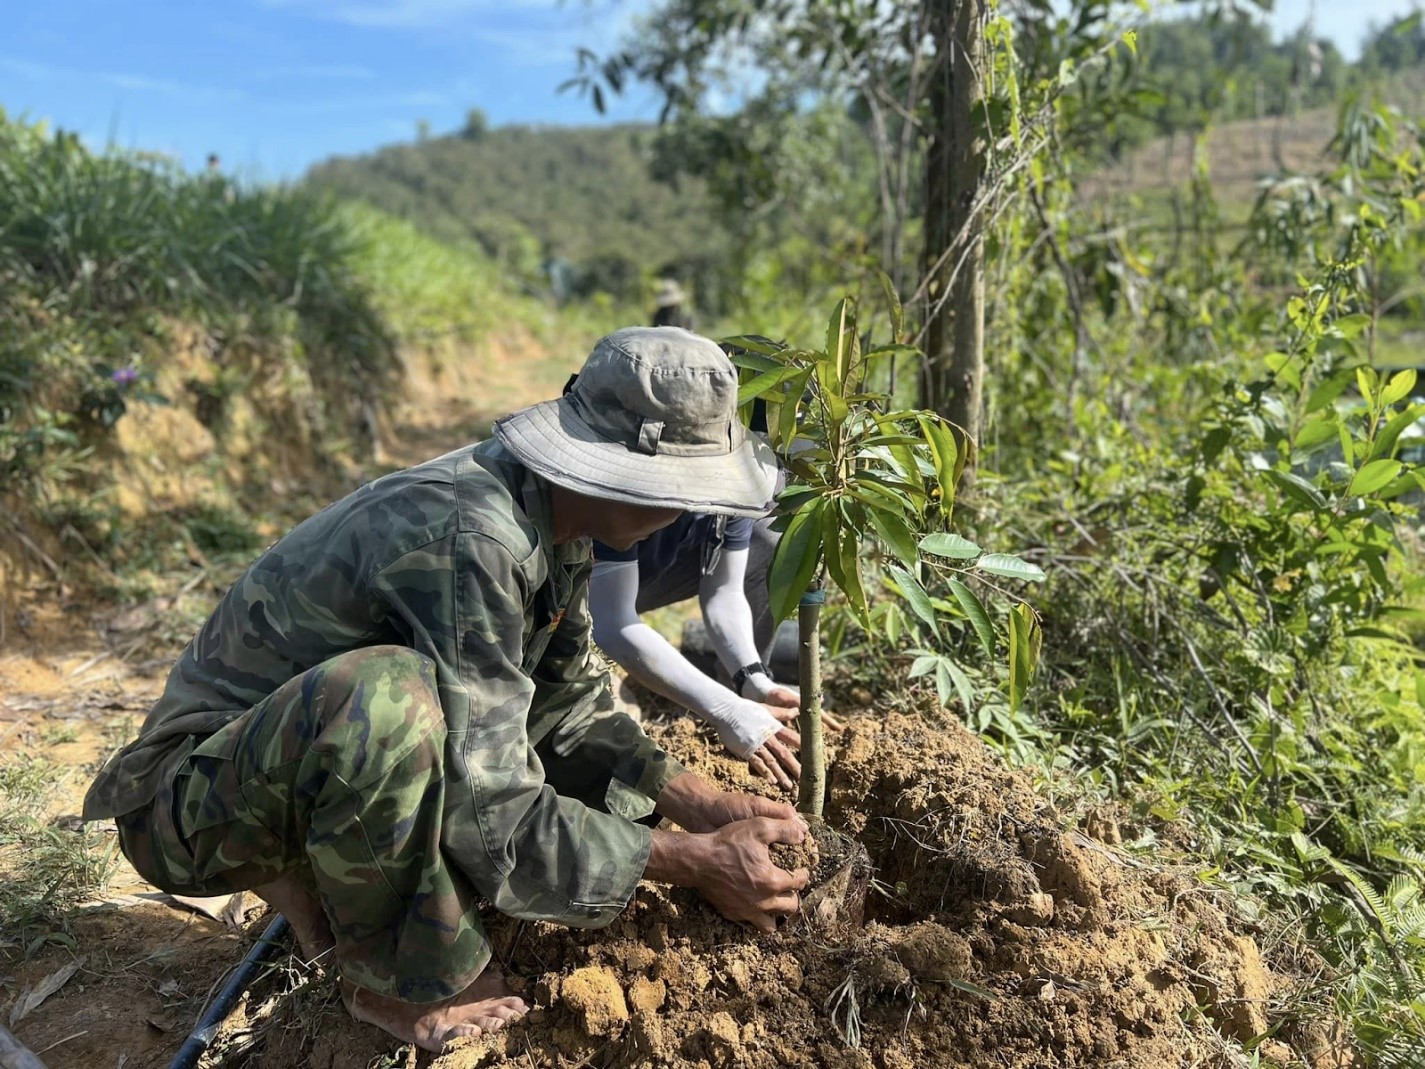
527 195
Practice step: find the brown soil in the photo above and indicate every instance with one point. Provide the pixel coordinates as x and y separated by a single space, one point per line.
990 936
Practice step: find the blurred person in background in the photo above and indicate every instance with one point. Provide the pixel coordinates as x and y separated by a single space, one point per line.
670 306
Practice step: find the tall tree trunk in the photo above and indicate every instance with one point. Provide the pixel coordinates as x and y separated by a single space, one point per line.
954 239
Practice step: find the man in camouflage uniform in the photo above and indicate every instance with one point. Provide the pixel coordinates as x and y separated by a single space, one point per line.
393 714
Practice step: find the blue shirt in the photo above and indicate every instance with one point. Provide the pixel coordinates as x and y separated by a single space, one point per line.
691 533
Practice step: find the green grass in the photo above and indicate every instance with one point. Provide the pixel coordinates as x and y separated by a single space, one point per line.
46 869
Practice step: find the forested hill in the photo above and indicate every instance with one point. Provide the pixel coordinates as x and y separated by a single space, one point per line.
583 195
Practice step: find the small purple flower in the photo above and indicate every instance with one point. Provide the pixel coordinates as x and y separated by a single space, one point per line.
125 376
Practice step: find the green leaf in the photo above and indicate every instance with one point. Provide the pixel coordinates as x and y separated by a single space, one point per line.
894 623
890 350
843 561
1010 567
894 534
838 344
1373 475
944 684
923 665
1351 325
1297 488
1401 484
962 686
893 305
943 448
836 409
1384 444
1306 850
766 382
883 495
972 607
796 557
1327 390
950 545
903 456
1348 444
852 584
1024 640
1315 431
787 418
914 594
1398 387
756 361
752 345
1366 381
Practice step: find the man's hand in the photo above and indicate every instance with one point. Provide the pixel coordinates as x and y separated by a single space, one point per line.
742 882
732 868
692 803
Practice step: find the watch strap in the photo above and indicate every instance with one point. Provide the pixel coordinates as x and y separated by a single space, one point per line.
745 672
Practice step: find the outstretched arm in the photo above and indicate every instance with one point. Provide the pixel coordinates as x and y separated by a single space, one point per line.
747 728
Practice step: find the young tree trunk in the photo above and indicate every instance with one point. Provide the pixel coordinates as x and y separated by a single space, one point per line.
954 239
811 791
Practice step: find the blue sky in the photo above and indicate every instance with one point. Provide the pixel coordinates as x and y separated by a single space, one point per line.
273 85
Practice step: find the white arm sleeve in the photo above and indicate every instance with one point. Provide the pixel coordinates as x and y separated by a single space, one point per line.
744 726
726 612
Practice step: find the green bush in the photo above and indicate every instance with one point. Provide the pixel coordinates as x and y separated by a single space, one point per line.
96 247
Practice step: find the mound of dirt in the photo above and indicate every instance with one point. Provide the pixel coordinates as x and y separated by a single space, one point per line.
991 937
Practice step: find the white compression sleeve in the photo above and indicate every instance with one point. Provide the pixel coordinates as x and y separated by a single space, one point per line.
744 726
726 612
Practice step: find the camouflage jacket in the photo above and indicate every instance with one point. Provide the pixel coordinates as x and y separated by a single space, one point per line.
454 558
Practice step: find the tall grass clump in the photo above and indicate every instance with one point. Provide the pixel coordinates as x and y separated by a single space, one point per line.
96 248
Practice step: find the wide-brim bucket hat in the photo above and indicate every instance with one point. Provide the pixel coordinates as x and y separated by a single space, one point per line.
651 419
668 293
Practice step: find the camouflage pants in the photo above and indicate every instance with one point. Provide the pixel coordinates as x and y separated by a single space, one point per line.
337 777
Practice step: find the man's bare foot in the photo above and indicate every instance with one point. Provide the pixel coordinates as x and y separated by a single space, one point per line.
294 900
485 1006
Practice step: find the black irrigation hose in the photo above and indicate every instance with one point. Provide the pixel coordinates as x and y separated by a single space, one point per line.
217 1012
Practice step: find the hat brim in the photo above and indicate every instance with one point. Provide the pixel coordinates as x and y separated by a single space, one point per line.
551 439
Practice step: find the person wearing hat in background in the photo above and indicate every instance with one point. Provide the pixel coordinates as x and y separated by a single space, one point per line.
669 303
723 561
393 713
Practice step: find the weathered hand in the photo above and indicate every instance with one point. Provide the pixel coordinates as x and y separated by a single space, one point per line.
695 805
728 807
741 882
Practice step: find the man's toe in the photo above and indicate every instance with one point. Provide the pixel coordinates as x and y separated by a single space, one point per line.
469 1030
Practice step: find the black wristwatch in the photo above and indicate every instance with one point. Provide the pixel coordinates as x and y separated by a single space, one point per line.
744 672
